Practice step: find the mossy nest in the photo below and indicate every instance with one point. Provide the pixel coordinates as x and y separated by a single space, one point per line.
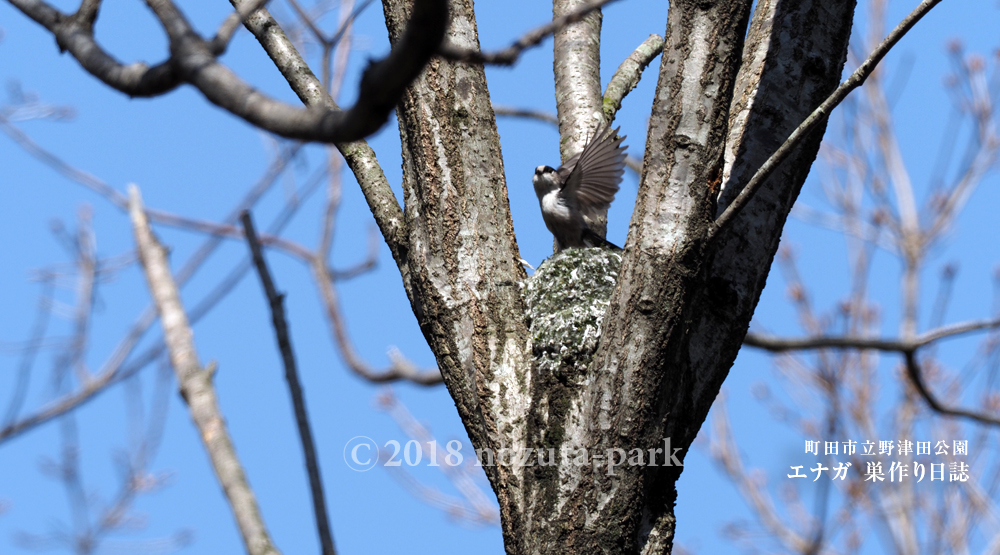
567 297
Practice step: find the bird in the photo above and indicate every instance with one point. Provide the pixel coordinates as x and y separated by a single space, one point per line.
581 189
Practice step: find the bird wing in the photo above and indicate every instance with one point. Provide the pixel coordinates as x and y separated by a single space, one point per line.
591 177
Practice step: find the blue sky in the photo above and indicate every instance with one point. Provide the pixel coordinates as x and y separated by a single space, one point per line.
191 158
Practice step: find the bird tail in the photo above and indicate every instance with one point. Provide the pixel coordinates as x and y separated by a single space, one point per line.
592 239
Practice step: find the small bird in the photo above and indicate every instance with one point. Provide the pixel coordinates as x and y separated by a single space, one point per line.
581 188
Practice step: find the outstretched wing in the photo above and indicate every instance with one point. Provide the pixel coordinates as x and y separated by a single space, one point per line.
591 178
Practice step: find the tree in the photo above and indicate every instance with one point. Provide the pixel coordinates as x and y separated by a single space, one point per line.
925 410
731 87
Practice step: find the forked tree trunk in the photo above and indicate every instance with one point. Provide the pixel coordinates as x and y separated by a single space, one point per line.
674 321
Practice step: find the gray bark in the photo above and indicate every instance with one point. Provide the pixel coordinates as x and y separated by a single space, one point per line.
461 259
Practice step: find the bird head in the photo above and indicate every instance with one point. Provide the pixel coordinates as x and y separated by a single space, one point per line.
546 179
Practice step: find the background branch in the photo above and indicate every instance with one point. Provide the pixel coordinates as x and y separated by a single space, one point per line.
819 115
917 379
196 386
193 60
276 301
780 344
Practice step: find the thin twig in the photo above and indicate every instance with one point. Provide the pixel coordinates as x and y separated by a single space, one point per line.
819 115
31 349
400 369
114 369
277 303
308 20
527 113
916 377
117 199
227 30
908 347
509 55
477 507
780 344
346 24
366 265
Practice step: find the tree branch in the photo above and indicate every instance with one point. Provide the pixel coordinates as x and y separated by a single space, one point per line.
112 195
779 344
819 115
359 155
401 369
627 75
908 348
227 30
193 60
366 265
196 386
75 35
916 377
31 348
276 301
527 113
114 369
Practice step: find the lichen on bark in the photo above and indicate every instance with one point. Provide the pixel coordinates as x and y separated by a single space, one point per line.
567 297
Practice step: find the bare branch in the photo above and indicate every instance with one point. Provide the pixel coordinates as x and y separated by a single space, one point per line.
116 198
229 231
778 344
723 449
193 61
916 377
86 254
88 10
220 41
359 155
400 369
60 407
908 347
196 384
277 304
820 114
527 113
20 389
317 33
75 35
366 265
346 23
382 84
89 181
476 507
509 55
286 58
627 75
114 369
